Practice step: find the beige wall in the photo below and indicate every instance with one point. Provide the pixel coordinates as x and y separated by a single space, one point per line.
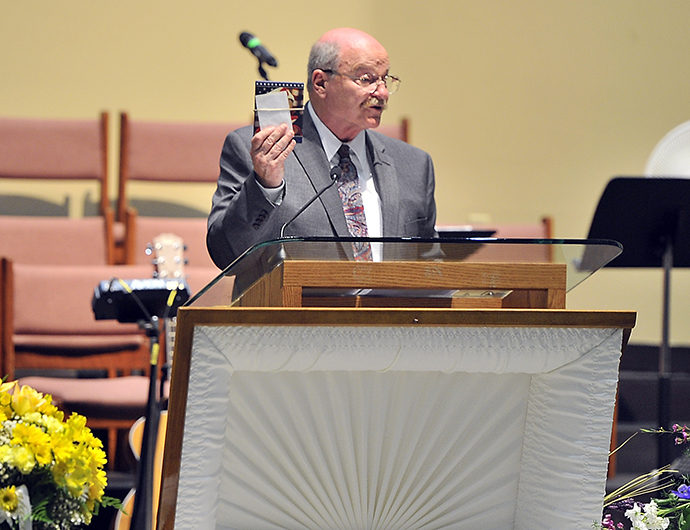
528 108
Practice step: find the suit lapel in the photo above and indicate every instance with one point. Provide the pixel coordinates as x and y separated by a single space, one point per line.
312 158
386 185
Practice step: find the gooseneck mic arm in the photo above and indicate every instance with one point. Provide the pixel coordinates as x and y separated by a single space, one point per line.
336 172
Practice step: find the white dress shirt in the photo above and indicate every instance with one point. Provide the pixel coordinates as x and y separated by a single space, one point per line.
358 154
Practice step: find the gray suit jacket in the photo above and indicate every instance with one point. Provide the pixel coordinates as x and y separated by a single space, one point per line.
241 216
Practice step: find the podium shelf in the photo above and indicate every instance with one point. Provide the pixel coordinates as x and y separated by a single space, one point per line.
408 272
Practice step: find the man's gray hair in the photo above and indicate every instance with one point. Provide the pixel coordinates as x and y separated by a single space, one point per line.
323 56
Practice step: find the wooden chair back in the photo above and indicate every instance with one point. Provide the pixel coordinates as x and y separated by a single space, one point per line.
42 150
182 152
53 149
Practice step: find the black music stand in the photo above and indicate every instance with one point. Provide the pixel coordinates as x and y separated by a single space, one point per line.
650 217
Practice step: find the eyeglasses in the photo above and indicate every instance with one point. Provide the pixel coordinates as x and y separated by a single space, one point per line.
371 82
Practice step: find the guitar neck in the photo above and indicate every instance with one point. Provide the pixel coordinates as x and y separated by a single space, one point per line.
168 252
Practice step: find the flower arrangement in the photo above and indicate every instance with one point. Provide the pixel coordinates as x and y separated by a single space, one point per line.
51 469
670 511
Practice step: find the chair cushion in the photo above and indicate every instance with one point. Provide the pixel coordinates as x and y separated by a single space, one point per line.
80 344
116 397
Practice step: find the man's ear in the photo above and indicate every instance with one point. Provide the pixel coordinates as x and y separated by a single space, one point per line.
319 78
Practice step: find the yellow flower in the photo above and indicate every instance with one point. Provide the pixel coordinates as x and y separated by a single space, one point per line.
22 459
77 423
98 457
74 486
6 399
15 507
62 447
40 435
6 387
60 470
35 440
97 487
8 499
28 400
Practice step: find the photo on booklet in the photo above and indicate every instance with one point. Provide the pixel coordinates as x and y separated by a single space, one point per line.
277 102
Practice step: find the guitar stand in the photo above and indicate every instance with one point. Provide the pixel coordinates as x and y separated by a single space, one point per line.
142 513
143 301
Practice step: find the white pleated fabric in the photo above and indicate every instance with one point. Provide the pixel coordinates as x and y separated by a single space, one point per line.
415 428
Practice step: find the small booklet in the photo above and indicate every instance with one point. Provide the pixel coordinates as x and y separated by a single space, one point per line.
277 102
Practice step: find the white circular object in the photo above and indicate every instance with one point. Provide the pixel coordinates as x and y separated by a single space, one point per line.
671 156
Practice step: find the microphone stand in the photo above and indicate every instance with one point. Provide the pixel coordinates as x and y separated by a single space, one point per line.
262 71
142 513
336 172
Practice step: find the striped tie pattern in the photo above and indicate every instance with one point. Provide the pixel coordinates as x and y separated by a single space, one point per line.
351 196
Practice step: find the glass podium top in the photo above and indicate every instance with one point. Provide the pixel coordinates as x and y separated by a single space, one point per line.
576 258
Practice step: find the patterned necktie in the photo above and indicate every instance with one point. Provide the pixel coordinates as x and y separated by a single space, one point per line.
351 195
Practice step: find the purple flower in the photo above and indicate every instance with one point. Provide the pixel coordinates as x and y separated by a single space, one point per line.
683 492
622 505
607 523
683 431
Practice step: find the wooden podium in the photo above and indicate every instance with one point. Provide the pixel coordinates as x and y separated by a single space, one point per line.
301 283
328 407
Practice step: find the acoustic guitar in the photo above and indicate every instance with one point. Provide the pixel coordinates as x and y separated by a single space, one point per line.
136 435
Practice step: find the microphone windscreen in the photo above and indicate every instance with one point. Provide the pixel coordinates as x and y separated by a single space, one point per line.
336 172
245 38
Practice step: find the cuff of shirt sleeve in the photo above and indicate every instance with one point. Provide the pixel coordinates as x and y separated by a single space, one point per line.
275 195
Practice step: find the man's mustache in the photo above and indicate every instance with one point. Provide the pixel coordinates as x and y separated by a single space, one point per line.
376 102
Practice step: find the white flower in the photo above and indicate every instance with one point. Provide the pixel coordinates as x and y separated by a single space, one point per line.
646 518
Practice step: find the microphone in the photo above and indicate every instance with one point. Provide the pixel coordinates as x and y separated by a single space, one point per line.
336 172
254 45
